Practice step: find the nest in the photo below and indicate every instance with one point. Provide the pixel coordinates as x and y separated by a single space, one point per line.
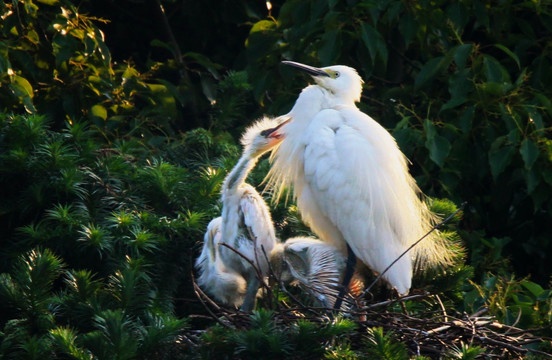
429 334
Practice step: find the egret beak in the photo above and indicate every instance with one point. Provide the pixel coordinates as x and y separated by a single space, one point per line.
273 132
311 70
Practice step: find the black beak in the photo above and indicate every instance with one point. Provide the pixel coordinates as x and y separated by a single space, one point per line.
272 132
311 70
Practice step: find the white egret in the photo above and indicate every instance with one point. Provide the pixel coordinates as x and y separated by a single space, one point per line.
223 284
350 179
245 225
317 267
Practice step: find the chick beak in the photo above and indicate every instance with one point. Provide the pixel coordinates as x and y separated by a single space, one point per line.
274 132
311 70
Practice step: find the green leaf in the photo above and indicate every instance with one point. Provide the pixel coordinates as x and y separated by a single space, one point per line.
532 178
545 101
165 103
458 14
262 26
491 88
4 58
408 27
432 68
500 156
49 2
460 85
102 47
330 46
509 53
22 89
209 88
494 71
461 54
466 119
535 118
375 43
438 146
98 111
529 152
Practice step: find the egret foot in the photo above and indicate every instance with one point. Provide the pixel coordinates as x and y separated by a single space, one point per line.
251 294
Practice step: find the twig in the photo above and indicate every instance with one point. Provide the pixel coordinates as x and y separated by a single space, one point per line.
390 302
257 270
515 322
201 295
172 38
513 347
445 317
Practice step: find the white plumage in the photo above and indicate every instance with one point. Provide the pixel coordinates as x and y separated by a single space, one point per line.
317 267
245 225
350 179
223 284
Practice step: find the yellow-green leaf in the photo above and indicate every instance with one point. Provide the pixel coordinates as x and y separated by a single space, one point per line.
48 2
99 111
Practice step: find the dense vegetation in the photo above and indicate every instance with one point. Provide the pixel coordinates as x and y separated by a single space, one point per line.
119 121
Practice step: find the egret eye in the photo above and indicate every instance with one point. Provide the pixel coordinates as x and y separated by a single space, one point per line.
336 74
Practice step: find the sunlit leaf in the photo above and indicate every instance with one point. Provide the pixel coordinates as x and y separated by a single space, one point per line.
49 2
22 89
99 111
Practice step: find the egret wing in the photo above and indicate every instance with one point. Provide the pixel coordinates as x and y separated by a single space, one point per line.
258 224
210 240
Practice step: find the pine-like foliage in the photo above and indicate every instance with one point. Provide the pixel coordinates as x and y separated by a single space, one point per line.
96 243
383 346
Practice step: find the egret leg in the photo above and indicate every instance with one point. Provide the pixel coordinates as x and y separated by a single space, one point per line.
251 294
349 271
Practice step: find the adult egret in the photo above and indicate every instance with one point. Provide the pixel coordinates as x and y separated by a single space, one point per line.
350 179
316 266
245 225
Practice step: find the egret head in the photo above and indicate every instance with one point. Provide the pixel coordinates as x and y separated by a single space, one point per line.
339 80
262 136
279 263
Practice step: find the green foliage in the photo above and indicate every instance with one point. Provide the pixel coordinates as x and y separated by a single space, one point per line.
267 338
55 61
521 303
82 238
466 352
383 346
263 339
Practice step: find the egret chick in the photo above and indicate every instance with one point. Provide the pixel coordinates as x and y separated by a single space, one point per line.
317 267
245 225
350 179
224 285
